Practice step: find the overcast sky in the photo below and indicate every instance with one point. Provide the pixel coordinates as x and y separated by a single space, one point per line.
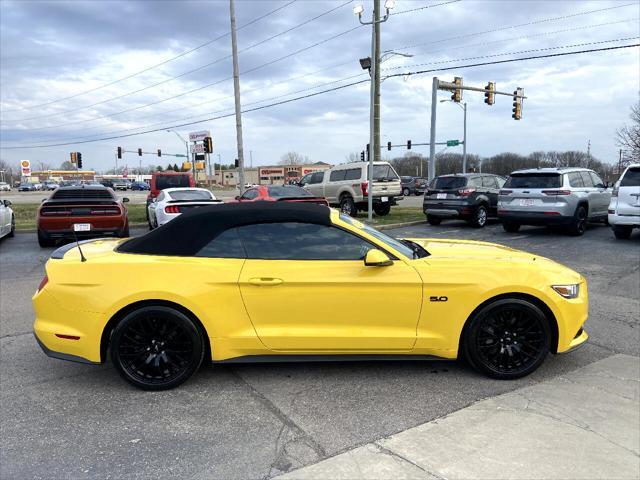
77 70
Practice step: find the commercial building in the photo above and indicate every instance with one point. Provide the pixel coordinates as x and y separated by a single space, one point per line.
269 174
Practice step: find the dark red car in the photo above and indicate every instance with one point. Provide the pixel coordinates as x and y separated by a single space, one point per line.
94 210
277 193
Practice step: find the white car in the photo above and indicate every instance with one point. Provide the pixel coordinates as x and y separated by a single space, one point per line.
171 202
624 209
5 187
7 219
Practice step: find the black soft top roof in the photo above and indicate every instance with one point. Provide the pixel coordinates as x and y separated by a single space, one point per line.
187 234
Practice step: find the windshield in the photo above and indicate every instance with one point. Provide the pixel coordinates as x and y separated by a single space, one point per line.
401 247
186 195
384 173
287 191
534 180
631 178
448 183
171 181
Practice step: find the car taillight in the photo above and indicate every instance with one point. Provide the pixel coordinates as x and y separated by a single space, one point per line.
105 211
365 188
171 209
614 192
556 192
50 212
506 192
44 281
465 192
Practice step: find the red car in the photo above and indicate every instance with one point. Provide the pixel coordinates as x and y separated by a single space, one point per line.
83 212
277 193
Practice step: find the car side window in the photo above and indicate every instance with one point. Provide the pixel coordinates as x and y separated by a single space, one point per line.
301 241
353 174
586 179
316 178
500 181
250 194
337 175
225 245
474 182
489 182
307 179
575 180
597 181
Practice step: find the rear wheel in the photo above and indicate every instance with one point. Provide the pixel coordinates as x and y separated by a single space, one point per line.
622 232
12 232
579 222
44 240
406 192
156 348
433 220
382 209
507 339
511 227
124 232
348 206
479 218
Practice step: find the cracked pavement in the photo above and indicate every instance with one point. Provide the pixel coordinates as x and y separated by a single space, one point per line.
60 419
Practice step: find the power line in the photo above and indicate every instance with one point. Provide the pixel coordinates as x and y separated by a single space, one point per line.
424 7
187 52
405 74
189 72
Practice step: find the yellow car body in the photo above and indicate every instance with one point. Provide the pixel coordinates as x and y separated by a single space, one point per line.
411 307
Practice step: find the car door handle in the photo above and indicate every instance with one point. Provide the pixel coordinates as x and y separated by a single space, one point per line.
265 282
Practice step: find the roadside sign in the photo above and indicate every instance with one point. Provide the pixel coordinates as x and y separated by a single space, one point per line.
453 143
198 136
197 148
25 167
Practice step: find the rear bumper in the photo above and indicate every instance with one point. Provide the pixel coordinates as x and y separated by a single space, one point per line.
447 209
60 227
534 218
624 220
392 200
62 356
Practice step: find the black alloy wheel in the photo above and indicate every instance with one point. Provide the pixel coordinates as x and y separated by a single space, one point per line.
479 218
156 348
579 224
432 220
507 339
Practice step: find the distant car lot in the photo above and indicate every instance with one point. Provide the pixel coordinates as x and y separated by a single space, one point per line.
277 417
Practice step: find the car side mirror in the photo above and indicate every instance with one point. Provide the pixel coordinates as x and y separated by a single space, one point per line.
7 203
43 200
377 258
125 200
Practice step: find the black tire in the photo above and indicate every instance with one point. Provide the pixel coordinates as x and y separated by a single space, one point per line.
156 348
406 192
44 240
348 206
479 217
146 210
12 232
124 233
432 220
382 209
511 227
579 223
507 339
622 232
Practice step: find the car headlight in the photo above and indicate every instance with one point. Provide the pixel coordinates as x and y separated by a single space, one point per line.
567 291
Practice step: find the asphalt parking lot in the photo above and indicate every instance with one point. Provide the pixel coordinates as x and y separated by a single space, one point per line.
60 419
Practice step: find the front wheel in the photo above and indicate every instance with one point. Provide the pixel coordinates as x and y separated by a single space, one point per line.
382 209
507 339
622 232
156 348
348 206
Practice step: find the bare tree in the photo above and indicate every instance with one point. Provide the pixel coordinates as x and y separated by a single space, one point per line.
352 157
67 165
628 136
293 158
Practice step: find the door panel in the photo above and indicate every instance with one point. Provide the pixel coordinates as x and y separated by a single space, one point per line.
332 305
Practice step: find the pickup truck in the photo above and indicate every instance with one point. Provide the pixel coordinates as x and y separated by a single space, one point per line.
346 186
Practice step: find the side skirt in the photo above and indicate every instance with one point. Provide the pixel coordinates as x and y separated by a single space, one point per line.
328 358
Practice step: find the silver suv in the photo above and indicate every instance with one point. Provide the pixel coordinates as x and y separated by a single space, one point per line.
553 196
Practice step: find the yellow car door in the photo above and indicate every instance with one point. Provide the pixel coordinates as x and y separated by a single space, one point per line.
306 289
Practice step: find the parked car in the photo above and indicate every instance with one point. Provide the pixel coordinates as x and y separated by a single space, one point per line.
48 185
95 210
5 187
172 202
105 182
566 196
624 209
140 186
469 196
346 186
7 219
119 184
221 283
26 187
413 185
277 193
162 180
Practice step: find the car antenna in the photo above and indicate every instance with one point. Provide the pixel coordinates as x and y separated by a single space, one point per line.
82 257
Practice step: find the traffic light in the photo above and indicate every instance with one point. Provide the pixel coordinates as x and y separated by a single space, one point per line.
73 157
79 159
388 145
237 163
457 92
408 144
517 104
362 156
139 152
208 145
159 153
489 95
119 152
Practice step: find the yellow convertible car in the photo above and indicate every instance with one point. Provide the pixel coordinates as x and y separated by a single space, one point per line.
283 281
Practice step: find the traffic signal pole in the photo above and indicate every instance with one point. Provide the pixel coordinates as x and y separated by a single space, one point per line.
432 137
464 141
236 91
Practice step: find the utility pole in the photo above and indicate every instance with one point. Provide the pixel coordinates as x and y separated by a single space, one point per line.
432 137
250 158
236 91
220 166
376 73
464 140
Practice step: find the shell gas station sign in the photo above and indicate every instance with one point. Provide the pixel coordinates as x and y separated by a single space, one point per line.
25 167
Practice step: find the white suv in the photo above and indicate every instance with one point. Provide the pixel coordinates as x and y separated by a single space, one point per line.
624 209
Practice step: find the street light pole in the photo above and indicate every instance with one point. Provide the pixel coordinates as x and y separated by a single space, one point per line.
186 144
464 139
236 91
